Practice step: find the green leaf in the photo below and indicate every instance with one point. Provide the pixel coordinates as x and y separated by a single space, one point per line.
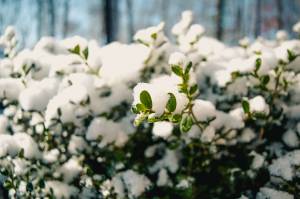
154 36
175 118
246 106
291 55
235 75
75 50
139 119
86 53
29 187
171 105
141 107
42 183
186 124
8 184
188 67
145 99
193 89
59 113
135 110
21 153
264 79
257 64
177 70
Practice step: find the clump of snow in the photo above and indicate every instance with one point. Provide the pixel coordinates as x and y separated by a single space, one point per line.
10 88
61 190
133 182
70 169
259 105
178 59
284 166
108 131
268 193
291 139
203 110
162 129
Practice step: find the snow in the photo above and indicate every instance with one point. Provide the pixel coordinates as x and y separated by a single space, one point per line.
133 182
208 134
77 144
163 178
108 131
3 124
284 166
178 59
12 145
10 88
268 193
162 129
203 110
70 170
259 105
291 139
170 161
61 190
258 160
37 95
183 24
67 102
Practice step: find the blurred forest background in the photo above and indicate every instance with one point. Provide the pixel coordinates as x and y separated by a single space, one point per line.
109 20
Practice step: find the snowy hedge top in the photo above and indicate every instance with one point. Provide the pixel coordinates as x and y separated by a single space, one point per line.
77 121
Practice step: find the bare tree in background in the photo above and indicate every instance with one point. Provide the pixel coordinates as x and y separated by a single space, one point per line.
51 14
220 18
257 29
66 8
130 19
110 19
39 10
279 6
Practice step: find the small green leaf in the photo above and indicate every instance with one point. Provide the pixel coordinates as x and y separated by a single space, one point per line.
8 184
59 113
264 79
177 70
86 53
246 106
141 107
154 36
186 124
188 67
257 64
42 183
175 118
21 153
29 187
139 119
145 99
235 75
193 89
171 105
75 50
291 56
135 110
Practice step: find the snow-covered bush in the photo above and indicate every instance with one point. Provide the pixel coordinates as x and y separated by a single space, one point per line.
193 118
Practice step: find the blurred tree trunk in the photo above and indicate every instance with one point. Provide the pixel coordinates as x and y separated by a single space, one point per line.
220 18
66 8
111 19
39 16
51 14
130 20
279 6
257 30
238 24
